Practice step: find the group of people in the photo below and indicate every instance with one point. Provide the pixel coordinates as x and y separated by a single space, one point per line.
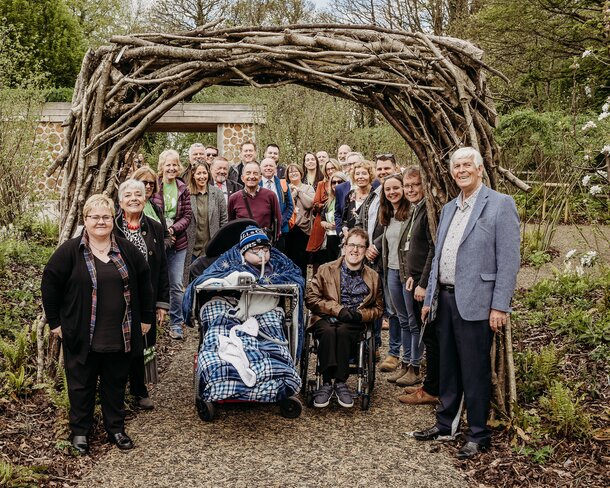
362 225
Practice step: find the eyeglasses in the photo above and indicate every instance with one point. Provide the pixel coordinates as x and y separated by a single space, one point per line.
358 247
412 186
209 155
148 183
103 218
336 182
258 249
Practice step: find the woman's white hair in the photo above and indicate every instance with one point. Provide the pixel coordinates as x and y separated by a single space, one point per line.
129 184
466 153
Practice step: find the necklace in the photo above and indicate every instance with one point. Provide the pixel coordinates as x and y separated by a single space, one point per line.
103 250
133 227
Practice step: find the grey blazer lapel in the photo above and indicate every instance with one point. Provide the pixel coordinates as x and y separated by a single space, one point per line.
476 212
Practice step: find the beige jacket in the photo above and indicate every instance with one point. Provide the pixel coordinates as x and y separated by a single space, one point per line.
323 297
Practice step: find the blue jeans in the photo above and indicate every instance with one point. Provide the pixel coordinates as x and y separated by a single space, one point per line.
407 332
390 313
175 269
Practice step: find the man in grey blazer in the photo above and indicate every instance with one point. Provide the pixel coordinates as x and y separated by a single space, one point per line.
471 284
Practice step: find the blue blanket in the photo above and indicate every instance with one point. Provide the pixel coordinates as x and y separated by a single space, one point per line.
276 376
284 272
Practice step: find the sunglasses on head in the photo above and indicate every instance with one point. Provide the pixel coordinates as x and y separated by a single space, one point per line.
384 156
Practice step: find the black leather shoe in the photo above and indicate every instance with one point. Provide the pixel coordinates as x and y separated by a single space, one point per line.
81 444
121 440
432 434
471 449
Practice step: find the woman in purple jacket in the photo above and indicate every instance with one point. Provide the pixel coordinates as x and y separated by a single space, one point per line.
174 200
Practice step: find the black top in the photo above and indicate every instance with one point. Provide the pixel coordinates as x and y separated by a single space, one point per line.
108 333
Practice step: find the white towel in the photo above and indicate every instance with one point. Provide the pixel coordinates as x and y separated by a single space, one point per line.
231 349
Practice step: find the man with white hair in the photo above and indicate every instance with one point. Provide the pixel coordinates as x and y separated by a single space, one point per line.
323 158
219 169
468 297
196 155
342 152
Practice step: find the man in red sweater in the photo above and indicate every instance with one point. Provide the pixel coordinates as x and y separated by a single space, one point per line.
257 203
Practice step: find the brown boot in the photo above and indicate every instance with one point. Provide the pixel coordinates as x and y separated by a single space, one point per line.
390 363
420 397
399 373
412 377
411 389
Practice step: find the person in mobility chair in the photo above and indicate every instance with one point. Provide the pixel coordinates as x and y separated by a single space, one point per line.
343 296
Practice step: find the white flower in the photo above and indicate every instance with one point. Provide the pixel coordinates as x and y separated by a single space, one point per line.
587 157
587 53
606 107
585 180
603 115
589 125
605 150
588 259
570 254
595 190
588 91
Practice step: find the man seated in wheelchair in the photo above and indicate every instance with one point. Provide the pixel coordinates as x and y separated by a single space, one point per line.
244 352
343 296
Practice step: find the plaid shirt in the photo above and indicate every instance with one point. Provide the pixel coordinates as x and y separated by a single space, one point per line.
115 256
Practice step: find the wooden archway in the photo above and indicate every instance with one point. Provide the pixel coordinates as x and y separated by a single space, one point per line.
431 89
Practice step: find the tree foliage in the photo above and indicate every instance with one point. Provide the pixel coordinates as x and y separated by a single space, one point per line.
50 33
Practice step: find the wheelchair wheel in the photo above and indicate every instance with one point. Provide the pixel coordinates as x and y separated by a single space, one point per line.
371 362
305 363
206 410
365 401
290 408
311 389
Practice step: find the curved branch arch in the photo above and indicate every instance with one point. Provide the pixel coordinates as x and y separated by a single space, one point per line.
431 89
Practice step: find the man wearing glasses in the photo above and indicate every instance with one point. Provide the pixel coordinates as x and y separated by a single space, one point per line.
343 296
211 152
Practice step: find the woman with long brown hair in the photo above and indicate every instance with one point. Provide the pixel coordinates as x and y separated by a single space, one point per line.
394 215
312 174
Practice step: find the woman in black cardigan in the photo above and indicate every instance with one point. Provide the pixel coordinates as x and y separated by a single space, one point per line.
147 235
97 297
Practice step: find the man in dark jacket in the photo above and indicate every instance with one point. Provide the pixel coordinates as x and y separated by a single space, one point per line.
247 155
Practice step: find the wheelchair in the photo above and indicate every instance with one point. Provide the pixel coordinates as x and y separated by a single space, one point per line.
362 367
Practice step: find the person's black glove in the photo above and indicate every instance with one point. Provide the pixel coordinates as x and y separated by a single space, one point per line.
350 316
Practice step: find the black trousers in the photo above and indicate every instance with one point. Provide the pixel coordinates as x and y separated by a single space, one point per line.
336 345
296 245
430 339
112 370
465 370
137 385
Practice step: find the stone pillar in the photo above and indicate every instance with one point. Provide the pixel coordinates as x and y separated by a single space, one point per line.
50 139
231 137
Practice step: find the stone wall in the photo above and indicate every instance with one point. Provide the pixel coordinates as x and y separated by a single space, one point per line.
50 139
230 137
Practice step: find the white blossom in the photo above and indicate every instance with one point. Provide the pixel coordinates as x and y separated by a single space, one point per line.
606 107
588 91
603 115
605 150
587 53
588 259
587 157
585 180
589 125
595 190
570 254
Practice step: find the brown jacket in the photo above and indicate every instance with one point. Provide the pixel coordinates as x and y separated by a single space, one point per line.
323 297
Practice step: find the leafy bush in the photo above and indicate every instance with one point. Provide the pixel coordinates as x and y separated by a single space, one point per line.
536 371
563 412
12 475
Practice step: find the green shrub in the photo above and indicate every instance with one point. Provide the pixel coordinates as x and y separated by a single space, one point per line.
44 232
563 413
12 475
536 371
539 456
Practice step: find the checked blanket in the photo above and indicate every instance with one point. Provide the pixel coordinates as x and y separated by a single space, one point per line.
276 376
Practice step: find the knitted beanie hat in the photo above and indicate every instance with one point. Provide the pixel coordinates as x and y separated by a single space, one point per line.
251 237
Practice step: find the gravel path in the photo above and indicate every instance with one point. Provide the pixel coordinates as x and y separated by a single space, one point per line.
254 446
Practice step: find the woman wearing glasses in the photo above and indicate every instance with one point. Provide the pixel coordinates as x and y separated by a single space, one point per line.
147 176
394 217
317 239
147 235
174 199
97 297
362 177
